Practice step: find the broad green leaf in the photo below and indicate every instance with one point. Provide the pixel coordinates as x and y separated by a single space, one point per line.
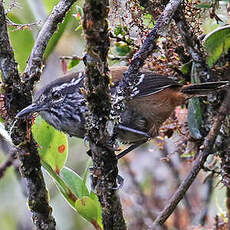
88 208
217 43
73 189
74 182
62 186
52 144
22 42
194 117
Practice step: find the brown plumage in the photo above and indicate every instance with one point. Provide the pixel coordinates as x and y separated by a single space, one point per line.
156 100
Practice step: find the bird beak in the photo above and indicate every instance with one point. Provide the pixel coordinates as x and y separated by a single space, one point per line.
28 110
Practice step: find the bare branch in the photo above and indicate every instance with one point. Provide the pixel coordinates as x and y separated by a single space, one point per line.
16 96
149 44
35 62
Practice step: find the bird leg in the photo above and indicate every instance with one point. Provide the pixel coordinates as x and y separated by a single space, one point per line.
130 148
125 128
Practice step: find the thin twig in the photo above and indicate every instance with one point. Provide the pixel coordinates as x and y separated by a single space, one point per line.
149 44
128 83
21 26
144 200
7 163
198 164
35 62
74 57
176 175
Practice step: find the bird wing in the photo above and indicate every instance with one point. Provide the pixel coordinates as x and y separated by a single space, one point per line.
150 83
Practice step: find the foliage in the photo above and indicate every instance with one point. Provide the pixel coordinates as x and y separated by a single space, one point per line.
53 151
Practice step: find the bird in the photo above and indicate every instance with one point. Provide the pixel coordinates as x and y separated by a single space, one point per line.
62 104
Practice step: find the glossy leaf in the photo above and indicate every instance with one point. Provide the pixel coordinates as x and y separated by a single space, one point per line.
74 182
62 186
52 144
88 208
217 43
74 190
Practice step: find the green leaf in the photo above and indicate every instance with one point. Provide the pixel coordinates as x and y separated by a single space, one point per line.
204 5
186 68
74 182
88 208
22 42
72 187
120 30
148 20
122 48
53 144
217 43
73 63
63 188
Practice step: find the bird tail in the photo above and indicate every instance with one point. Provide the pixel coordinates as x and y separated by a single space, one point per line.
204 89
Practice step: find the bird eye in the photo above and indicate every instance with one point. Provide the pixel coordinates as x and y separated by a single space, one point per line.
56 95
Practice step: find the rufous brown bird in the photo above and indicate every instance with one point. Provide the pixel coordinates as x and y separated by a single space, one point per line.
62 104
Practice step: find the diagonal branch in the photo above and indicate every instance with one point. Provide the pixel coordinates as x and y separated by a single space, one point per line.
35 62
149 44
16 97
198 164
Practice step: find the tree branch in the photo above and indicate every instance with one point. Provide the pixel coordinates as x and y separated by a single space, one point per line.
35 62
17 97
193 46
105 169
198 164
149 44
